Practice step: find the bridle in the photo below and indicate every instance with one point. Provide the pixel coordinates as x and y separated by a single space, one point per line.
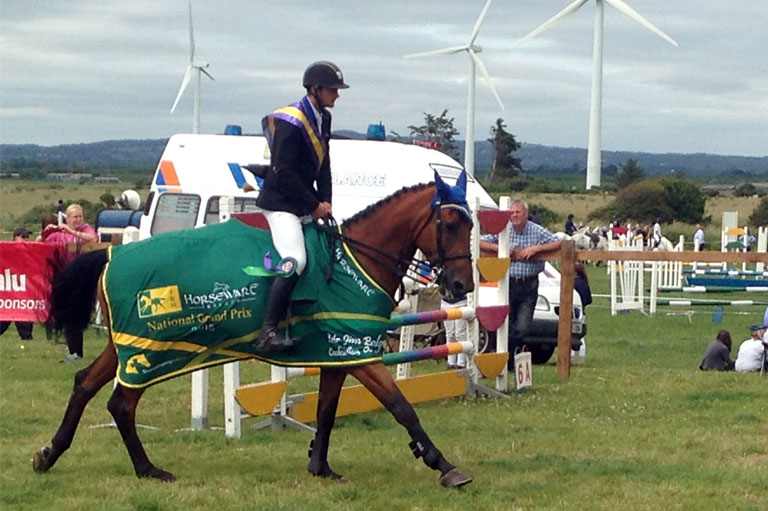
399 265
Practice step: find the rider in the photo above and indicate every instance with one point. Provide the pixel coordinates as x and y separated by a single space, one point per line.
297 188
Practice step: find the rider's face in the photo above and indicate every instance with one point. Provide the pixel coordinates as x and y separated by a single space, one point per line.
327 96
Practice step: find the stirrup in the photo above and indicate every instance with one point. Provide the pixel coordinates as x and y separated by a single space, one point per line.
272 341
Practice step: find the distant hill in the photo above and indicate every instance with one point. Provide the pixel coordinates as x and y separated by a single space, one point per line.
535 158
109 152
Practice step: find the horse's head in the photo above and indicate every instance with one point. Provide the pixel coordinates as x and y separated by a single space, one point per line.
446 241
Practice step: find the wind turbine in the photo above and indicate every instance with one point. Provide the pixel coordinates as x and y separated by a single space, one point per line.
194 65
595 111
474 63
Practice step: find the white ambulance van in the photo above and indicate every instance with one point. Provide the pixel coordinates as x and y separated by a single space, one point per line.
196 170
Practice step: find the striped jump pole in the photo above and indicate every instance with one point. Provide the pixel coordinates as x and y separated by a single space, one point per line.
730 273
420 318
429 353
679 302
715 289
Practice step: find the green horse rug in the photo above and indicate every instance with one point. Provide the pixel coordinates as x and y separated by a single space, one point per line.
194 299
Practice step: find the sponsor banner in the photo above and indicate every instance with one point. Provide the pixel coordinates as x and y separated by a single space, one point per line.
26 272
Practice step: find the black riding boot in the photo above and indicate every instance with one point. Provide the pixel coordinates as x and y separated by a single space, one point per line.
271 338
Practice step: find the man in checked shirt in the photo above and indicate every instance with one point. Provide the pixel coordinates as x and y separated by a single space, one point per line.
526 239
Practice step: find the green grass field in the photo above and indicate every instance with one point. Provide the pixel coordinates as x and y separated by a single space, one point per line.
638 427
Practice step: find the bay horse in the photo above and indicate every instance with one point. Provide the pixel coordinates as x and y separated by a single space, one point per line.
433 218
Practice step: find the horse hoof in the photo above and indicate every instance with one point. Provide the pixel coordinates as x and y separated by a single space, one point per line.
160 475
455 478
40 460
330 474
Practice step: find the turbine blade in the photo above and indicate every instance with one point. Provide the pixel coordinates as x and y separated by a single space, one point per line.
479 65
191 37
206 73
557 18
442 51
184 82
479 23
622 7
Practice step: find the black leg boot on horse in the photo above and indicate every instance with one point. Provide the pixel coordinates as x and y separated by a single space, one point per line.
271 339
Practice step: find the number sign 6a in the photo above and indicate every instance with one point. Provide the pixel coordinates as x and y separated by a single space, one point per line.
523 376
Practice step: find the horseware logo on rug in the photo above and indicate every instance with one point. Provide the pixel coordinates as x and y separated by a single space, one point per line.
158 301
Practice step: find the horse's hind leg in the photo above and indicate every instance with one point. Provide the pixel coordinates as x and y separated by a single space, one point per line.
122 406
377 380
87 383
331 381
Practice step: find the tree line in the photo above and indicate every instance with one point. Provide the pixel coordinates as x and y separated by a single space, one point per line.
639 198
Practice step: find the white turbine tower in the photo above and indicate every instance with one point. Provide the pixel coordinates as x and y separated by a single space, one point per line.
595 111
194 65
474 63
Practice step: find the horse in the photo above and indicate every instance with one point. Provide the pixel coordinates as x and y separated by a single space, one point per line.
383 238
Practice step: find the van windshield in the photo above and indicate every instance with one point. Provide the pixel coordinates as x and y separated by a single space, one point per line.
242 205
449 171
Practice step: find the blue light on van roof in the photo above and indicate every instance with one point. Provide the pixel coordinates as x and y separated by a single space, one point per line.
376 132
233 129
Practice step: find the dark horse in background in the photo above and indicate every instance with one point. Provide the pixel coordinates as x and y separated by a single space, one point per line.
384 239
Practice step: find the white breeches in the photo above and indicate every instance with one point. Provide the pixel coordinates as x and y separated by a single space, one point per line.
455 331
288 236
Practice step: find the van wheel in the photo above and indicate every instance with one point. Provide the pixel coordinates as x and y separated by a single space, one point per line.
541 353
486 342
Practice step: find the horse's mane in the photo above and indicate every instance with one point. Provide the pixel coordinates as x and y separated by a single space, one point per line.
386 200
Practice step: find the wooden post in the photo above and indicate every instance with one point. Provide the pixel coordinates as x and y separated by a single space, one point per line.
565 323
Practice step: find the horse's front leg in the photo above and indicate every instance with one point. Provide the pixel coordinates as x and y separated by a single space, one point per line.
379 382
331 381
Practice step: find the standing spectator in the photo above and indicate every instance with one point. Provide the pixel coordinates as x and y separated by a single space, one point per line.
656 234
61 215
533 216
455 331
570 227
750 354
23 328
74 230
581 286
717 357
698 239
526 239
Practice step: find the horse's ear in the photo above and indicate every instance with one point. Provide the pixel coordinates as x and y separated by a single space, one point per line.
443 191
462 181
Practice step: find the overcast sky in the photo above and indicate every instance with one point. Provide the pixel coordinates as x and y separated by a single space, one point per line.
82 71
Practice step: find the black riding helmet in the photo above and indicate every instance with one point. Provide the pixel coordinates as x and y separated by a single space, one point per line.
324 74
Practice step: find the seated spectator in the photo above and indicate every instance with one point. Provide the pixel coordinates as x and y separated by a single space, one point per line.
74 230
750 354
718 354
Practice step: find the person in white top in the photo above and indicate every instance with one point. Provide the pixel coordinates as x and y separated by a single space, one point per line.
698 238
751 351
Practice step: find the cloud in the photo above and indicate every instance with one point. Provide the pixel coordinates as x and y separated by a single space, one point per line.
80 71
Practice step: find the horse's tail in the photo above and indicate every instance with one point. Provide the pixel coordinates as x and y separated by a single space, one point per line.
74 291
